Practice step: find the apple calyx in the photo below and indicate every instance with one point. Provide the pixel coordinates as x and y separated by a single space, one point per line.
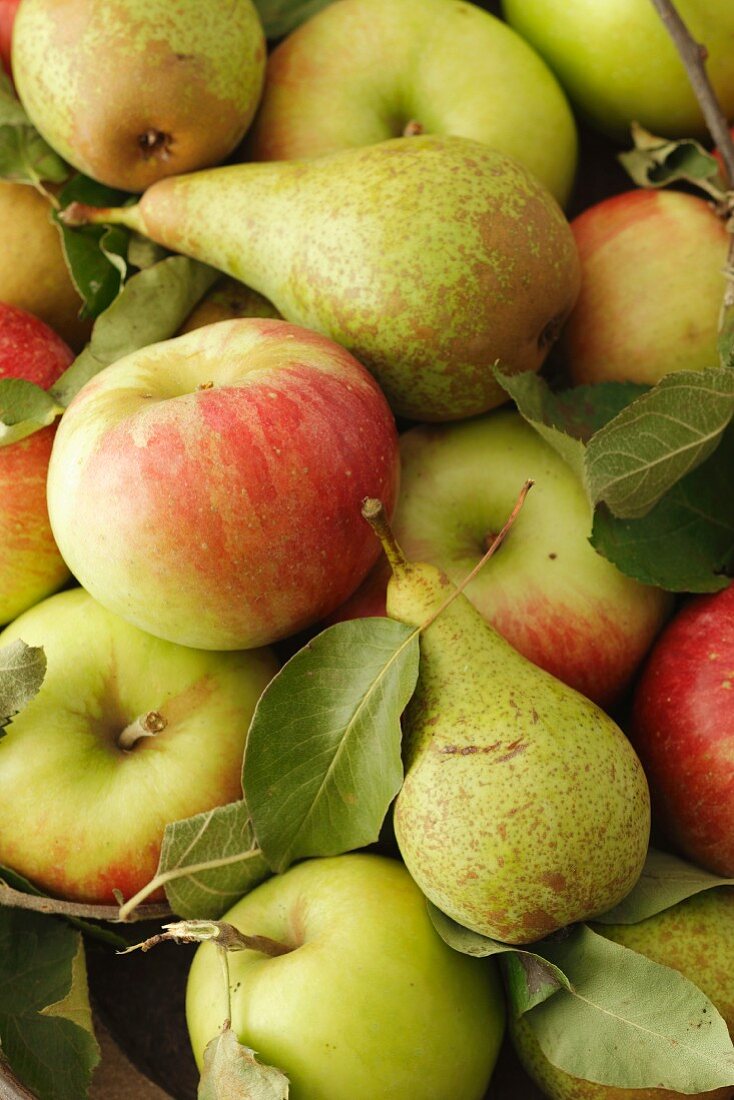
155 143
145 725
412 128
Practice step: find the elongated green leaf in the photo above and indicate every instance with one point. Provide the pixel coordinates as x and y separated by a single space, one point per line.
530 978
322 761
629 1022
232 1072
150 307
280 17
22 669
686 542
24 408
567 419
658 439
658 162
209 861
665 880
45 1024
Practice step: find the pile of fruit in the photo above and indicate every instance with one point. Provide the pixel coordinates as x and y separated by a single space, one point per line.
366 534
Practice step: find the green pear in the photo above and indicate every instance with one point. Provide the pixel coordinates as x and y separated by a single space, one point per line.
696 937
524 807
430 258
129 91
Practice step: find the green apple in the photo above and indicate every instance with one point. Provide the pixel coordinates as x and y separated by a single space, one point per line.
546 591
126 734
362 71
696 937
368 1002
618 63
651 289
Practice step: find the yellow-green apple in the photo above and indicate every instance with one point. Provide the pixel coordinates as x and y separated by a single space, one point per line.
683 729
126 734
651 289
130 91
33 272
696 937
368 1001
547 591
362 71
31 566
618 63
208 488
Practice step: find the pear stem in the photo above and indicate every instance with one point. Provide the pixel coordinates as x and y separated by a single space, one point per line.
81 213
373 511
492 549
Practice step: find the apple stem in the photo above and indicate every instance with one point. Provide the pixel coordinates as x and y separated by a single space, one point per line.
373 510
145 725
224 935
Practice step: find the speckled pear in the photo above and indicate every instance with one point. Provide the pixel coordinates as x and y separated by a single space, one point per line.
430 258
524 807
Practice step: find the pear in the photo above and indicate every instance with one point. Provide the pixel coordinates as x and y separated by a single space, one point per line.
33 272
524 807
696 937
129 91
430 258
226 300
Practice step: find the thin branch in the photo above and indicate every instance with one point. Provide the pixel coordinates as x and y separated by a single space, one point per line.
16 899
693 55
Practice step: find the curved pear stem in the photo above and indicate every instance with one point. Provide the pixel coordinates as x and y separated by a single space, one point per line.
491 550
80 213
373 511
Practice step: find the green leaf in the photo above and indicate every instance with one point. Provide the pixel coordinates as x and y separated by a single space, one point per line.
24 408
657 162
22 669
150 307
322 760
665 880
530 978
24 156
45 1024
280 17
566 420
686 542
209 861
659 438
232 1072
628 1021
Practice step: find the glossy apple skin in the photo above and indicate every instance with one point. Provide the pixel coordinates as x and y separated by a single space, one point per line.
546 591
369 1003
683 729
639 314
8 9
79 815
31 566
618 63
360 71
208 488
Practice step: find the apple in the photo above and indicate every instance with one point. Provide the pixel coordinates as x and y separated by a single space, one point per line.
546 591
126 734
683 729
696 937
640 314
31 566
618 63
208 488
367 1002
7 18
362 71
